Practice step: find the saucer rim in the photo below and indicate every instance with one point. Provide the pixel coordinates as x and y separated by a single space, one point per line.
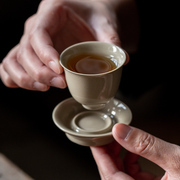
68 131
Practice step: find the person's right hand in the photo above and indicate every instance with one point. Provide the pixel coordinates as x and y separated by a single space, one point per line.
138 143
34 63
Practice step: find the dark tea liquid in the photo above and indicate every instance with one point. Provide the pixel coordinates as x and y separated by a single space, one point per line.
90 64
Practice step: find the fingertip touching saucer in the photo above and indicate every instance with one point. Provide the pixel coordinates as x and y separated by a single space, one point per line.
90 128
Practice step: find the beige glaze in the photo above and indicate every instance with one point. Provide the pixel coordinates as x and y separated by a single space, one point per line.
91 122
67 114
93 91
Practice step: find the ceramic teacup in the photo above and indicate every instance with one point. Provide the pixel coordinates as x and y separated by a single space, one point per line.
93 91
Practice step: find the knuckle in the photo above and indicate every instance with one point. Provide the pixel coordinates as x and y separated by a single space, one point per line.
19 55
111 38
145 144
22 81
39 75
106 176
5 63
31 35
28 23
115 40
44 55
8 82
43 4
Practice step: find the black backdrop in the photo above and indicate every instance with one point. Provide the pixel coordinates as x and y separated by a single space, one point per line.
27 134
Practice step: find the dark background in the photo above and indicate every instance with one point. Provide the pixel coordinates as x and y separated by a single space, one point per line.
28 136
150 87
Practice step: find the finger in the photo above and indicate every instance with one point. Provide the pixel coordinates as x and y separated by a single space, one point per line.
132 167
36 69
106 33
41 41
15 72
113 150
6 78
106 164
81 30
29 24
44 48
105 27
164 154
20 77
131 163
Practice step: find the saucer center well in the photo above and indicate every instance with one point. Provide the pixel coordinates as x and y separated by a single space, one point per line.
92 122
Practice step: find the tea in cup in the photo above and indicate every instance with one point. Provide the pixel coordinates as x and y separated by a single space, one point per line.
93 72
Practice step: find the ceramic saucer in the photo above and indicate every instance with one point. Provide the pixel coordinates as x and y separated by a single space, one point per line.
90 128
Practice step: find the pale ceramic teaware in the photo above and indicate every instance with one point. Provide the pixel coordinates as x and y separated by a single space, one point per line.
90 128
93 91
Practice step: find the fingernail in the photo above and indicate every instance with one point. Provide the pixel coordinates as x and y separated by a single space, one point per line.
58 82
123 131
54 66
40 87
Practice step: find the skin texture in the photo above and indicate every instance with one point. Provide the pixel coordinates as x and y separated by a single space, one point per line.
34 63
138 143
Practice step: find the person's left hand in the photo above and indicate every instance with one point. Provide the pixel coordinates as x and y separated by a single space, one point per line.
34 63
138 143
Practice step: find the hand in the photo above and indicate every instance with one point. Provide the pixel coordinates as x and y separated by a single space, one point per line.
139 143
34 63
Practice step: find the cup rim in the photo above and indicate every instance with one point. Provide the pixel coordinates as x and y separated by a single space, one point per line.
92 42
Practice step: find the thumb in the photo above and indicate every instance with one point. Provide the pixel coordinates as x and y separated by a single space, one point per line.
108 34
162 153
106 30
